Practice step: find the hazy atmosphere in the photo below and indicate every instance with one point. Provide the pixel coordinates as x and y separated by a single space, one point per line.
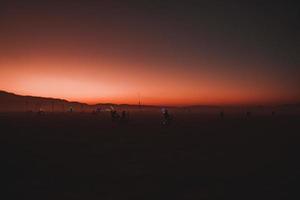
163 52
149 99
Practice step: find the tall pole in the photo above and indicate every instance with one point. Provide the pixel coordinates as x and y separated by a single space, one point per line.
139 96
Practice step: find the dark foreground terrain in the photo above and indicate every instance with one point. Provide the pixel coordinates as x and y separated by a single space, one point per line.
84 156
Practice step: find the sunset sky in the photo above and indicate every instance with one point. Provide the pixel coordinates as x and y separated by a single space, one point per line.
166 52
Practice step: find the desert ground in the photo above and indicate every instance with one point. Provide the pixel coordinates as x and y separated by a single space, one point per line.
198 156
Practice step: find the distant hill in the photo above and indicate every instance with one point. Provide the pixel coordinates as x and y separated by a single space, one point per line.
13 102
10 102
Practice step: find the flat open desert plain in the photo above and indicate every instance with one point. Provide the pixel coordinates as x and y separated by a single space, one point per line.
198 156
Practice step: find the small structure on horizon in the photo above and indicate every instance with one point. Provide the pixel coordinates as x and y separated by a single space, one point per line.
41 112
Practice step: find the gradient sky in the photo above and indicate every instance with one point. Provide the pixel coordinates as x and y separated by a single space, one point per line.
169 52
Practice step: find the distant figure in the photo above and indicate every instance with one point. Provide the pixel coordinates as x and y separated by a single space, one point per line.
166 117
96 111
124 116
41 112
71 109
273 113
222 114
114 115
248 114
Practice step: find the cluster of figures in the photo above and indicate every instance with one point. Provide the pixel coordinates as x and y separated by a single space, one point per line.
116 117
97 111
124 117
248 114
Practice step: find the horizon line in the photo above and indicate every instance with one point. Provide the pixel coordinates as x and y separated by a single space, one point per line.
152 105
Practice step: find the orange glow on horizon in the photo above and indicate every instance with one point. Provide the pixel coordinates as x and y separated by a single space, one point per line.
100 81
170 54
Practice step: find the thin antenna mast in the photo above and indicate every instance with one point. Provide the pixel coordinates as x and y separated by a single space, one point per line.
139 96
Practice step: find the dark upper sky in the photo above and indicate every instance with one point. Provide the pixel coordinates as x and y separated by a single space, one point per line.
210 51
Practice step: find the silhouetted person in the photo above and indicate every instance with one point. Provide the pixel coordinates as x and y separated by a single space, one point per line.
166 117
114 115
222 114
124 116
248 114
